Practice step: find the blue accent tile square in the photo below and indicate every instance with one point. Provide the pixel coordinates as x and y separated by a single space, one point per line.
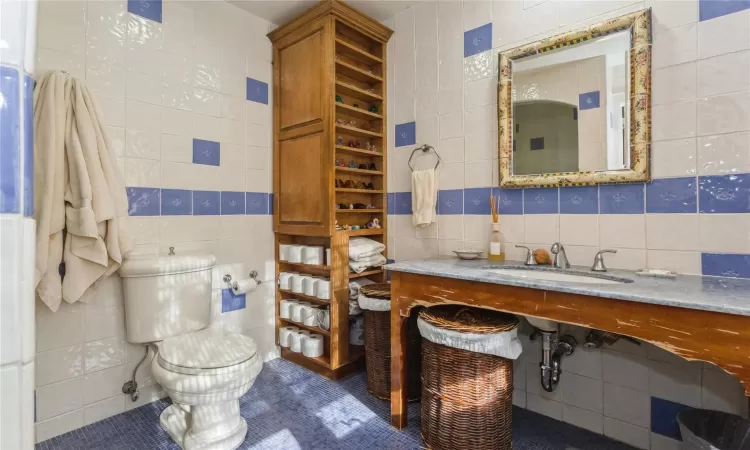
450 201
391 197
144 201
176 202
621 199
28 146
406 134
270 204
231 302
537 143
724 193
672 195
478 40
477 201
579 200
541 201
149 9
256 203
10 141
206 203
510 200
257 91
664 417
232 203
206 152
725 265
711 9
402 203
588 100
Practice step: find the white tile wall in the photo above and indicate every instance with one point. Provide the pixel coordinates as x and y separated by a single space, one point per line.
159 86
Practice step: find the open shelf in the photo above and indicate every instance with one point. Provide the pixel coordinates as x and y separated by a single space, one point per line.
358 151
309 298
359 113
302 266
359 171
354 91
366 273
356 73
359 191
294 356
358 211
310 328
354 131
351 51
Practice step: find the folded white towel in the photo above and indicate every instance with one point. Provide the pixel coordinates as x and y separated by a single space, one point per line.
361 266
355 285
360 248
423 197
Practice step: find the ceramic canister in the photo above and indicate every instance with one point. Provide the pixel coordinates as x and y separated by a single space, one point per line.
296 283
323 288
285 280
312 255
284 252
324 318
295 253
312 317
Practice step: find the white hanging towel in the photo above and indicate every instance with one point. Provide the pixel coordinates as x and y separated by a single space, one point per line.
423 197
80 202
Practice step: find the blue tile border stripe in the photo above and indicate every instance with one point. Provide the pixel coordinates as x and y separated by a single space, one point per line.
148 9
711 9
145 201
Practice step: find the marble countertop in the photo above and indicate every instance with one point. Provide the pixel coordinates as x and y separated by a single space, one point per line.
725 295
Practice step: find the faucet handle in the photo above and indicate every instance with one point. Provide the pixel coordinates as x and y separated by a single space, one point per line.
556 248
530 261
599 260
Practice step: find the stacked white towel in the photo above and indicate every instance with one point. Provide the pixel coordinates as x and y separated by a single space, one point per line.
365 253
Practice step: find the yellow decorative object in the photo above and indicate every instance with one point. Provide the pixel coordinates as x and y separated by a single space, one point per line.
541 256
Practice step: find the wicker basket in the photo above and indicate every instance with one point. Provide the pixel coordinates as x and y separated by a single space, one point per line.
467 397
378 347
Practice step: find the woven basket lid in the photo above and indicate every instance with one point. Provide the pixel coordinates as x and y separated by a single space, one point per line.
469 320
377 290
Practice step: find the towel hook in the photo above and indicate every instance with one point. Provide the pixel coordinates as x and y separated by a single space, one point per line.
425 148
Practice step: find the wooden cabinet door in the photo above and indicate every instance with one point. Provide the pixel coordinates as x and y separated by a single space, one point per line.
302 154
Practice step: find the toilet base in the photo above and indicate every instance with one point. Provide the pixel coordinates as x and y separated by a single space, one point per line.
214 427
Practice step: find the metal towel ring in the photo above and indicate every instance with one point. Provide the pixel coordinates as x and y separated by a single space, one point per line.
425 148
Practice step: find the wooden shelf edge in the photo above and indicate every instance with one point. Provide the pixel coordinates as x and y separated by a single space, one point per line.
358 211
305 297
298 357
366 273
359 130
360 171
346 148
367 74
365 232
359 51
362 92
359 110
307 266
360 191
310 328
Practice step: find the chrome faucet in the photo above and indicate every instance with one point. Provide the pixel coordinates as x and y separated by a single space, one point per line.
560 261
599 261
530 261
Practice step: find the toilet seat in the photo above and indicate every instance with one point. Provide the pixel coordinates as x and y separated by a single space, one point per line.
210 351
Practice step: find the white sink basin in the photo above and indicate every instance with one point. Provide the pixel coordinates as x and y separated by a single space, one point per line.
547 275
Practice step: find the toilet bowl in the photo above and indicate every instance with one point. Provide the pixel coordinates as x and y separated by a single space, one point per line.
204 370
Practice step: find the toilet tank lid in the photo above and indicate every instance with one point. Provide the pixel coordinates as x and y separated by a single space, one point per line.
149 265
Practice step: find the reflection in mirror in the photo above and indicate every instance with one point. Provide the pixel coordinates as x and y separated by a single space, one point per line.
570 108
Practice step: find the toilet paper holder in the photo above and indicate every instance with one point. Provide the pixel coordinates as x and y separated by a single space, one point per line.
253 274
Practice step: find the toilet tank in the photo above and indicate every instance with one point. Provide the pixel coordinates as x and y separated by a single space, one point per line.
166 296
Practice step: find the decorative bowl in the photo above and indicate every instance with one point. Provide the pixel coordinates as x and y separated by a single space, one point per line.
468 253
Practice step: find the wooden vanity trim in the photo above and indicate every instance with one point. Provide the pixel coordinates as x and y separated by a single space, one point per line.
719 338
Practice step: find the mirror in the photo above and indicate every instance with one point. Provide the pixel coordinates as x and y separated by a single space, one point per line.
574 109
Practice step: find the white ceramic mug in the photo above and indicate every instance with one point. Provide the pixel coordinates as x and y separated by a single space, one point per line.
296 284
312 255
324 318
295 253
285 280
312 317
284 252
323 289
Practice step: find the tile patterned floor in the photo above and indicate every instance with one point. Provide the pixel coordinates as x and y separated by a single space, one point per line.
291 408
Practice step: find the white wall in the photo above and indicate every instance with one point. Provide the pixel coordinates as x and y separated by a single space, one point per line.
701 120
158 86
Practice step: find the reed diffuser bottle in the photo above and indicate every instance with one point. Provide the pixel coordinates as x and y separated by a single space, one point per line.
496 240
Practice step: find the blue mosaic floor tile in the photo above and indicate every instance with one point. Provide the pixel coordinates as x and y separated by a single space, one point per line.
291 408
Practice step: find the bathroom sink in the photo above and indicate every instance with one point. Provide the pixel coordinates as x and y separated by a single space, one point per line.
549 274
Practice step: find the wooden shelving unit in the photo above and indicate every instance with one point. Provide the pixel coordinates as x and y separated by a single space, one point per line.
329 92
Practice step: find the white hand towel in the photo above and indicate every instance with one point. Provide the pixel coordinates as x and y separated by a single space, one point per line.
423 197
360 248
361 266
355 285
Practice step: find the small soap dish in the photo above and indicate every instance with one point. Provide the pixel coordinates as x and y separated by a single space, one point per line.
468 253
656 273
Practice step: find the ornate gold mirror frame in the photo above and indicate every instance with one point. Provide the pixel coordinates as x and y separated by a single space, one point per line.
639 24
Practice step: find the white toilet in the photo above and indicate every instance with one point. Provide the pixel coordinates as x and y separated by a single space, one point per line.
203 370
